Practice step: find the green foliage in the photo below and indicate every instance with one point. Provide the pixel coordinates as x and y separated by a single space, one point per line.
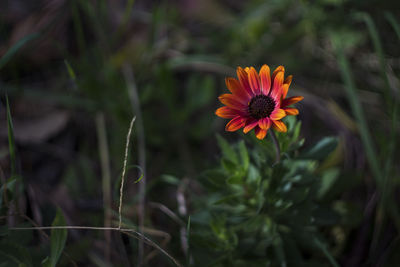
13 254
304 211
389 100
57 241
258 212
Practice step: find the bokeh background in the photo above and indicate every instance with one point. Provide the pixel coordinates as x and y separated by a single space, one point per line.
76 72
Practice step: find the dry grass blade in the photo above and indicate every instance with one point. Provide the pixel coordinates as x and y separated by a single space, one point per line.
121 190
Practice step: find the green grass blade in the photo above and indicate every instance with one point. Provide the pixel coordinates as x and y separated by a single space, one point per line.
393 139
326 252
366 138
386 182
70 70
11 141
77 24
359 115
379 51
127 12
392 20
14 49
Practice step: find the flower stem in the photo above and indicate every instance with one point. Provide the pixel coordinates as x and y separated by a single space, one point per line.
277 149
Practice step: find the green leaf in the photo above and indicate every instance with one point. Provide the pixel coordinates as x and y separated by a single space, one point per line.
244 155
227 150
324 216
229 166
322 149
70 70
15 253
8 186
214 178
328 180
170 179
235 179
57 239
46 262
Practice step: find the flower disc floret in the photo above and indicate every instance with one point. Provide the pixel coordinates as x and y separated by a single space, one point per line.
261 106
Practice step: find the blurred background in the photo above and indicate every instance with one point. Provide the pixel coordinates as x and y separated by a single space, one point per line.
76 72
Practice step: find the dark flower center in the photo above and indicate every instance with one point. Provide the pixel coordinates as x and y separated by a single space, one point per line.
261 106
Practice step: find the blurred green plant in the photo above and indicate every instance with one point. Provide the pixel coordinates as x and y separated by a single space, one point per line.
257 213
380 156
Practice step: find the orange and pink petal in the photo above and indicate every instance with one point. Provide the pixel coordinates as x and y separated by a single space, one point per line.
227 113
232 101
285 89
279 126
291 111
254 81
276 71
277 86
264 123
288 80
291 100
244 80
260 133
277 114
235 124
250 126
236 89
265 79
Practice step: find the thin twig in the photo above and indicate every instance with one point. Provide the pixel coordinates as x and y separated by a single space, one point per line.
168 212
276 144
135 103
121 189
154 232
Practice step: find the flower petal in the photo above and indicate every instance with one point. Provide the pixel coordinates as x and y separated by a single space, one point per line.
244 80
236 88
232 102
250 126
264 123
235 124
285 89
288 80
277 114
278 69
291 111
254 81
227 113
279 126
260 133
291 100
265 79
277 86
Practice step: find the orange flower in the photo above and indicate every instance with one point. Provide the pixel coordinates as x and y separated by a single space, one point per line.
257 101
